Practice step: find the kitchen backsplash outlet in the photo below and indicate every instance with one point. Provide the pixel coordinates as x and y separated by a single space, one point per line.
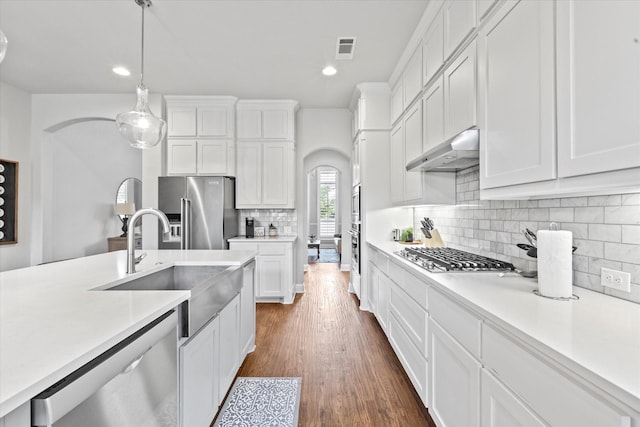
282 219
606 230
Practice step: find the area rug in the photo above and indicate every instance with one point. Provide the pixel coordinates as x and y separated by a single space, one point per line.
255 401
326 255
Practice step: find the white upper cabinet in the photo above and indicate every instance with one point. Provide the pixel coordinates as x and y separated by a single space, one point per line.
598 74
433 110
433 49
208 116
516 91
200 135
412 149
397 103
412 77
460 92
459 22
266 120
397 164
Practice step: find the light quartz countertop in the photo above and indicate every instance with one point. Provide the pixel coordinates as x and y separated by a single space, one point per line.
264 239
596 337
54 318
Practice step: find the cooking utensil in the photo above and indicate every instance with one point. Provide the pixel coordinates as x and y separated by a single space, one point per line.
532 234
426 233
524 246
529 238
533 252
430 225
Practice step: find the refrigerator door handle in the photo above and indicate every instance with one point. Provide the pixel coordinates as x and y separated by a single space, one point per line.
185 219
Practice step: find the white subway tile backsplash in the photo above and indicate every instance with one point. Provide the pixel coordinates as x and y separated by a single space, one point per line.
622 252
622 214
589 215
606 230
561 214
631 234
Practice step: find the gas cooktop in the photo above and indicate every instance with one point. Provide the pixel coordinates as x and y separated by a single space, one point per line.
448 259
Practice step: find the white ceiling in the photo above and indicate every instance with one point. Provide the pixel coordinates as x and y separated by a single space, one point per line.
261 49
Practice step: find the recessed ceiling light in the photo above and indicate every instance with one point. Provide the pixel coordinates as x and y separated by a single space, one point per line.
329 70
121 71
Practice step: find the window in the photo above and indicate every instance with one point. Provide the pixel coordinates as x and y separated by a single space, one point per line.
327 202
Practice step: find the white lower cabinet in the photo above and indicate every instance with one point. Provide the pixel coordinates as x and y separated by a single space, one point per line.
454 380
248 310
210 359
199 371
274 268
229 344
554 396
501 408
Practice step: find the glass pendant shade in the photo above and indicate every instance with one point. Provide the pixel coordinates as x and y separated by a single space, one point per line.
3 46
140 126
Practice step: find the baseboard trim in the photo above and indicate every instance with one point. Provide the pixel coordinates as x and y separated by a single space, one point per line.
299 288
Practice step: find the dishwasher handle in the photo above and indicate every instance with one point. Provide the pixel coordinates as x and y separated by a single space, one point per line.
61 398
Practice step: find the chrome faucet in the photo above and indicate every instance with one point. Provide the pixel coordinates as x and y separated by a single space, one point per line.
131 251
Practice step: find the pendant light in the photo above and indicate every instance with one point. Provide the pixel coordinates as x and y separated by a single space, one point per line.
3 46
140 126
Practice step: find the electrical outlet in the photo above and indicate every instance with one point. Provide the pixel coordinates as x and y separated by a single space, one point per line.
615 279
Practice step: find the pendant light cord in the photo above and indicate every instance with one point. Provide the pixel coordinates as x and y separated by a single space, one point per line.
142 6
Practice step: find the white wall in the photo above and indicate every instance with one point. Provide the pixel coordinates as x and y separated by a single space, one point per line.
49 113
323 139
15 117
90 159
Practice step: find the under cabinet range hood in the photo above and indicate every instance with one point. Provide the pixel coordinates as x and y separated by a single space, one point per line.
456 153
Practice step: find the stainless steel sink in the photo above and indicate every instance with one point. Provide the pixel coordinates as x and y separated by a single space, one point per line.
211 287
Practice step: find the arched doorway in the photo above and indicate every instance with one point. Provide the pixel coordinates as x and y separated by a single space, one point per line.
324 215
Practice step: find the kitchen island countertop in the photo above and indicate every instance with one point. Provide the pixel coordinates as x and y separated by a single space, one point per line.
597 337
54 319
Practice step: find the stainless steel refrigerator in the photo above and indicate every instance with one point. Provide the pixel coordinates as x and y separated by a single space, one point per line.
201 211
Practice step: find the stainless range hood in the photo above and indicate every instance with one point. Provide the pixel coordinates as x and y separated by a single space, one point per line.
458 152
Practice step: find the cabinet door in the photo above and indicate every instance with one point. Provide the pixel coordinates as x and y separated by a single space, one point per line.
277 175
412 149
199 363
459 21
384 286
276 124
518 144
248 310
229 344
433 106
454 381
373 287
397 164
598 56
181 156
249 124
181 120
412 77
433 48
212 157
483 7
501 408
271 276
460 91
215 121
248 174
397 103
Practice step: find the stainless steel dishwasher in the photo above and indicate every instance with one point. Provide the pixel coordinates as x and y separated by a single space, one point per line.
132 384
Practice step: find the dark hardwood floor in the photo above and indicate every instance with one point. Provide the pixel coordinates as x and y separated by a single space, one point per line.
350 374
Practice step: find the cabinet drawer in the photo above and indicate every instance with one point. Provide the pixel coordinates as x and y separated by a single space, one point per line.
416 288
272 248
456 320
414 363
553 396
395 272
383 262
243 246
411 317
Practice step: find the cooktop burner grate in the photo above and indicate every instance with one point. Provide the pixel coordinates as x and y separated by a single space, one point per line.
448 259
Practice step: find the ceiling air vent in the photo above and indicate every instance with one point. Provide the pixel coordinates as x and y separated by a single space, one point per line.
345 48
